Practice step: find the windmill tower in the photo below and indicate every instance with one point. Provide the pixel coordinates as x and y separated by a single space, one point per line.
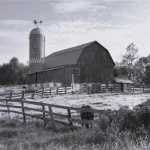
36 49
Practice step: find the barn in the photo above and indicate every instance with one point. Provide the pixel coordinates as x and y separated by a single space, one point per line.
86 63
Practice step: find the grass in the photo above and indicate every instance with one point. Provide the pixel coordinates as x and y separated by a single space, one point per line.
33 136
124 129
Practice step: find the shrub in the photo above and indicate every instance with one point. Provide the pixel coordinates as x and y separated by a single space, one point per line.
10 123
8 132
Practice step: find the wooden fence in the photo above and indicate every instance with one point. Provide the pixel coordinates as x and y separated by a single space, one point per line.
53 91
100 88
114 88
45 112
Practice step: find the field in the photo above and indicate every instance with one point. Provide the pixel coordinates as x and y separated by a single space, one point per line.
33 135
98 101
101 101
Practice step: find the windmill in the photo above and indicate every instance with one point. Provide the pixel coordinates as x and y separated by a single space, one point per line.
36 23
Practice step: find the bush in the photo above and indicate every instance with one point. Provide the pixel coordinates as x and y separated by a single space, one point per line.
124 119
8 132
10 123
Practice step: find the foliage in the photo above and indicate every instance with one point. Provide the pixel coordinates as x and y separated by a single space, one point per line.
13 72
132 67
147 74
131 55
117 129
128 61
120 71
28 137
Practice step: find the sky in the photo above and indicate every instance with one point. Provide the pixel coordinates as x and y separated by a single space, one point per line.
67 23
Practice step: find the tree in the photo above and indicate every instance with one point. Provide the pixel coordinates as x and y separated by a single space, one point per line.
129 59
131 55
13 72
147 75
139 69
120 71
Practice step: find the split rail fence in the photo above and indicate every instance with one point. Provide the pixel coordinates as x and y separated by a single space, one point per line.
99 88
45 112
52 91
114 88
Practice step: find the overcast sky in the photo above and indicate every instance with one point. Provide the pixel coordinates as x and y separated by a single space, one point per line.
66 23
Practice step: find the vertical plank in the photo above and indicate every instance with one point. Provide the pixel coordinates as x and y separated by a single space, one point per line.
50 91
42 93
133 88
23 92
22 105
7 104
69 117
10 95
111 88
100 88
33 95
57 91
65 90
43 108
52 118
88 90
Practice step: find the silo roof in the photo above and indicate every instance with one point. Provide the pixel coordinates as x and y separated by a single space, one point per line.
36 31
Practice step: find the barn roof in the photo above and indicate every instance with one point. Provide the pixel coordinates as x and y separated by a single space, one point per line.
65 57
123 80
68 56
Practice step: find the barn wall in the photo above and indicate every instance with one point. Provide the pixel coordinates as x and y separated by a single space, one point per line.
61 75
96 65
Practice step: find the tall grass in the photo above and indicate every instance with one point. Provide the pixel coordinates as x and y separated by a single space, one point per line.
32 137
117 130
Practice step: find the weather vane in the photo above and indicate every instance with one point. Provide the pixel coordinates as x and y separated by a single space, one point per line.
36 23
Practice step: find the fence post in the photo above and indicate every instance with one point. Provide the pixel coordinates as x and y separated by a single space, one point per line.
52 118
33 95
100 88
57 91
111 89
88 90
50 91
133 88
7 104
69 118
43 108
42 93
23 111
65 90
10 95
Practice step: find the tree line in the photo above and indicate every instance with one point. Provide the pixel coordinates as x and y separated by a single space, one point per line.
13 72
134 67
131 66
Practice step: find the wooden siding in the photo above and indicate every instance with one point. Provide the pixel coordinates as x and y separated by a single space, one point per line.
96 65
61 75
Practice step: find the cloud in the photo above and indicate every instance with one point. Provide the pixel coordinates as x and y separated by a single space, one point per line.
77 6
71 23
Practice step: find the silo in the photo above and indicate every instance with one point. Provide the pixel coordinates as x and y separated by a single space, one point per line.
36 50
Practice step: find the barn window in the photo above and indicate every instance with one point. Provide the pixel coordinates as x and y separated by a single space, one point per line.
77 71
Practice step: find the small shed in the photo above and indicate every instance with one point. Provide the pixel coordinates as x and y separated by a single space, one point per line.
123 82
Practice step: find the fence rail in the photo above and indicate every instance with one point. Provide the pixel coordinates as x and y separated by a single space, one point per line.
45 112
99 88
114 88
